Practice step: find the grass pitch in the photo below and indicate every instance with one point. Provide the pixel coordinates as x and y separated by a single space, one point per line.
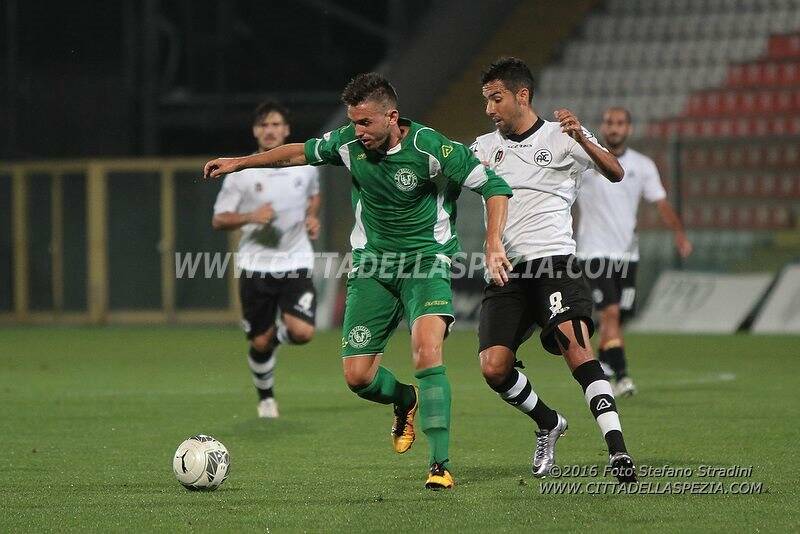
90 419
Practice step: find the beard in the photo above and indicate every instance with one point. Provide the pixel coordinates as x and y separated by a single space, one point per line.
505 128
615 142
511 123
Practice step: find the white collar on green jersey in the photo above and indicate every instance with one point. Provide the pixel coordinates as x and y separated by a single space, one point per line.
395 149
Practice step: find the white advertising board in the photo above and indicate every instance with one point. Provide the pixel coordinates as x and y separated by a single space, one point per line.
781 311
684 301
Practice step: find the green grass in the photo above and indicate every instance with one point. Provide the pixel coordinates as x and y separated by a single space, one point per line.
90 419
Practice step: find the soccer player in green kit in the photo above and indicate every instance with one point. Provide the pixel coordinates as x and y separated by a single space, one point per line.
406 178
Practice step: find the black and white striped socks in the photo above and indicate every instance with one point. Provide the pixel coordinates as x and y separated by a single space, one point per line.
262 366
517 391
600 399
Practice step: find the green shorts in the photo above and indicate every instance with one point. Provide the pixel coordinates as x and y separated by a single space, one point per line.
378 299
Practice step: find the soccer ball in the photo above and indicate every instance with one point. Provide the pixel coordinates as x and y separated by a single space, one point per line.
201 463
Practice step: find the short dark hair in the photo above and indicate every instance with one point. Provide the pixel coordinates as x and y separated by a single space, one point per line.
369 86
267 107
622 109
513 72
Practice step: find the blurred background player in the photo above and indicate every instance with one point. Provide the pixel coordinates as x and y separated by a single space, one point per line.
542 161
276 210
607 240
406 178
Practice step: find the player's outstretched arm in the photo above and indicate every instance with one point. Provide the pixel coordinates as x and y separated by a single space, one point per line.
606 162
496 260
460 165
282 156
229 220
312 216
672 220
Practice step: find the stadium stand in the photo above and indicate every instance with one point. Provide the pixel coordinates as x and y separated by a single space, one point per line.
714 90
654 57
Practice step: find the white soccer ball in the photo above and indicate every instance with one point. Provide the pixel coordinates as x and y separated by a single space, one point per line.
201 463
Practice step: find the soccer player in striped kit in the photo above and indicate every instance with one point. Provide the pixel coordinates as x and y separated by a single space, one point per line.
607 240
542 162
276 210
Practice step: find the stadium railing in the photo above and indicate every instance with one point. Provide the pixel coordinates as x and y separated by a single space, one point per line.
94 241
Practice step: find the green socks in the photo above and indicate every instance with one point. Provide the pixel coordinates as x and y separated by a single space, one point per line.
434 411
385 389
434 404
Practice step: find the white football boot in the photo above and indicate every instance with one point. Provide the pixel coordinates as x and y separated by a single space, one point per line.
624 387
268 408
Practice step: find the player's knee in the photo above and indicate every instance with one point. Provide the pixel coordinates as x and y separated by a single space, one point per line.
261 342
301 334
494 374
427 355
495 370
357 378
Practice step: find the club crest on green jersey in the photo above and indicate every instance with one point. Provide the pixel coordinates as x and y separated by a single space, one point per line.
405 179
359 336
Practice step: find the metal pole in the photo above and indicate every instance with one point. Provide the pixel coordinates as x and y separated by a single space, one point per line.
19 229
167 245
97 241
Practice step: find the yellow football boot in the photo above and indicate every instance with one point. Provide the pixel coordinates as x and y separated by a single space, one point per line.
439 478
403 426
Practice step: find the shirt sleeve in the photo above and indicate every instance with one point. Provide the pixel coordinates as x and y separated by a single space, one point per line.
229 197
479 152
313 182
460 165
324 150
653 189
582 159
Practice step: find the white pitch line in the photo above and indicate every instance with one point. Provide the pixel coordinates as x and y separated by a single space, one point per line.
712 379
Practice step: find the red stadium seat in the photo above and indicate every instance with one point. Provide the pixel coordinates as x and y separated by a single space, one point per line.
784 46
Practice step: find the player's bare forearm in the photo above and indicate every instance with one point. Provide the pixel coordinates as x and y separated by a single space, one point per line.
496 215
673 221
496 260
606 162
312 220
229 221
669 216
314 202
283 156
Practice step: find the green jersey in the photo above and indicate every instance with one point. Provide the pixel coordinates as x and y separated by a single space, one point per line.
405 200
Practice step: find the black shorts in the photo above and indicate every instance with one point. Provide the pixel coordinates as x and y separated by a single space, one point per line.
612 282
546 292
262 294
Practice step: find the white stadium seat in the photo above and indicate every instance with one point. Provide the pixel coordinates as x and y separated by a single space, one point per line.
649 55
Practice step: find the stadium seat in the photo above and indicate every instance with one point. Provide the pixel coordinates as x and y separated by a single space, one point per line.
652 56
